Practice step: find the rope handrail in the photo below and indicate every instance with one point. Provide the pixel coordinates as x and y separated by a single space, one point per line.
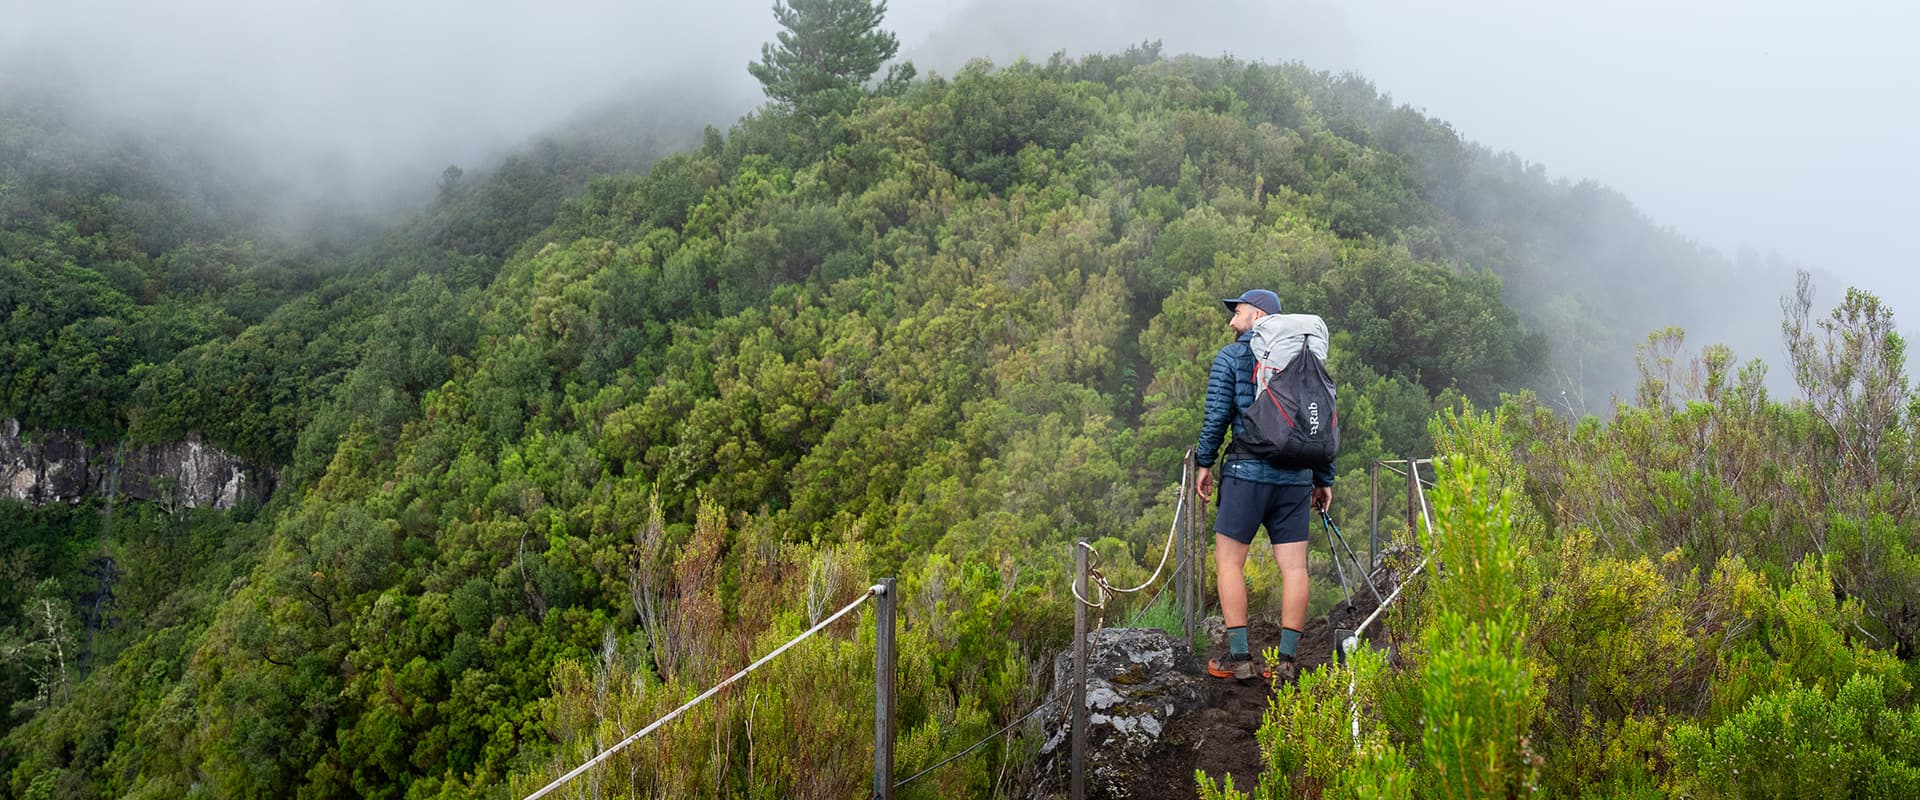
1155 597
871 592
1044 704
1386 465
1106 590
1100 580
1349 644
1353 639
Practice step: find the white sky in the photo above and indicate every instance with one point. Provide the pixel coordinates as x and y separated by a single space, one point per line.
1759 123
1778 126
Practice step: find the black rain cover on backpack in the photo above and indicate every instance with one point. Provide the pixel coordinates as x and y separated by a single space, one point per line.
1292 423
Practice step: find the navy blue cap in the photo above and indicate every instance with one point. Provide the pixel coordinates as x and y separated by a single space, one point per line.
1258 298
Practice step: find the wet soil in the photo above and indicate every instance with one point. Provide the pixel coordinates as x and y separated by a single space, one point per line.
1219 739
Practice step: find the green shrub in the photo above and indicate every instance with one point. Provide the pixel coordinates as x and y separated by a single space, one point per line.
1803 638
1480 700
1804 742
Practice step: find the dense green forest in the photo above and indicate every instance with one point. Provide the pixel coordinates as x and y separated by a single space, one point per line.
586 434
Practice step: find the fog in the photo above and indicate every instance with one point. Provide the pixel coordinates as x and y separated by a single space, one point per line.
1769 131
348 99
1772 127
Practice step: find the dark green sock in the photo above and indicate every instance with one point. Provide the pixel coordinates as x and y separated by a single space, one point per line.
1237 641
1289 639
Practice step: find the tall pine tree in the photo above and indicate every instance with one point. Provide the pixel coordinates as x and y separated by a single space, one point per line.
828 48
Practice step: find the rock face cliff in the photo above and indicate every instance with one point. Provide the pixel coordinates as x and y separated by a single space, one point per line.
60 468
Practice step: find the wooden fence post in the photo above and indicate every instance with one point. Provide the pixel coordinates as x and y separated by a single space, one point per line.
1197 549
883 683
1188 585
1079 784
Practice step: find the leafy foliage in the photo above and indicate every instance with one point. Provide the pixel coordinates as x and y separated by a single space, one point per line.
1802 741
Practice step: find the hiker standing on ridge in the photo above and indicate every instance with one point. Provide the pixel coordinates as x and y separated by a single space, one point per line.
1254 492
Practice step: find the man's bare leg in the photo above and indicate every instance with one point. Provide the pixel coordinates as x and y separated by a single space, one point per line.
1294 589
1230 559
1230 563
1294 593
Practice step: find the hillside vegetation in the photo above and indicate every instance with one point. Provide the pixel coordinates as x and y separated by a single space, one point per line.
564 451
1711 597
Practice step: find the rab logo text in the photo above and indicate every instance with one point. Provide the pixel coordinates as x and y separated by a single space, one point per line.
1313 419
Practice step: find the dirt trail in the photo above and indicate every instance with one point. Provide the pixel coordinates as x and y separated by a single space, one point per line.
1220 738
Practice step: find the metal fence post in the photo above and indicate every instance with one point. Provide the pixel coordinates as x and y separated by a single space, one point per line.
1413 502
883 682
1373 534
1079 784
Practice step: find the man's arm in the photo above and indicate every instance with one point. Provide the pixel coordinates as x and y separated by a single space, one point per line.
1213 427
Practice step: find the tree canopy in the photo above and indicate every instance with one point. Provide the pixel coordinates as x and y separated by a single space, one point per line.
825 51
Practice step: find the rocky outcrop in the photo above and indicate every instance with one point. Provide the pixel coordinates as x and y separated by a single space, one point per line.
60 468
1139 680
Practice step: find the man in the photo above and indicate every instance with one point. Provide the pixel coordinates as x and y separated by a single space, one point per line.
1254 493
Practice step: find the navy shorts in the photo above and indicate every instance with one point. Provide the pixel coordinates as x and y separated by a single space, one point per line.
1246 505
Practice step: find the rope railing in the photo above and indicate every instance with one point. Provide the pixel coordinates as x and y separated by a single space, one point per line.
578 771
1044 704
1107 590
1388 466
1105 593
1352 642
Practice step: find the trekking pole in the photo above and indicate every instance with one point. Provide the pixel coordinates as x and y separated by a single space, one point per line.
1334 556
1333 534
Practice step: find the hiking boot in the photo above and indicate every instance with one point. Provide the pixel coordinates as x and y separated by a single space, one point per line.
1285 671
1243 668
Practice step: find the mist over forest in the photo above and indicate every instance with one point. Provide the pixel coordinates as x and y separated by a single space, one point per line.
343 116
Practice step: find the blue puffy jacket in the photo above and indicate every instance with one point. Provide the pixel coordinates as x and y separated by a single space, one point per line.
1230 390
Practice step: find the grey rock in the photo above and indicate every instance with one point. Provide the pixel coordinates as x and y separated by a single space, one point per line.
1216 630
59 467
1138 681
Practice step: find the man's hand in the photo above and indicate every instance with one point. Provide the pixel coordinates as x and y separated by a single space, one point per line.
1322 497
1203 484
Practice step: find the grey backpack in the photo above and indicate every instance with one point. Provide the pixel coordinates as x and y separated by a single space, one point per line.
1293 423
